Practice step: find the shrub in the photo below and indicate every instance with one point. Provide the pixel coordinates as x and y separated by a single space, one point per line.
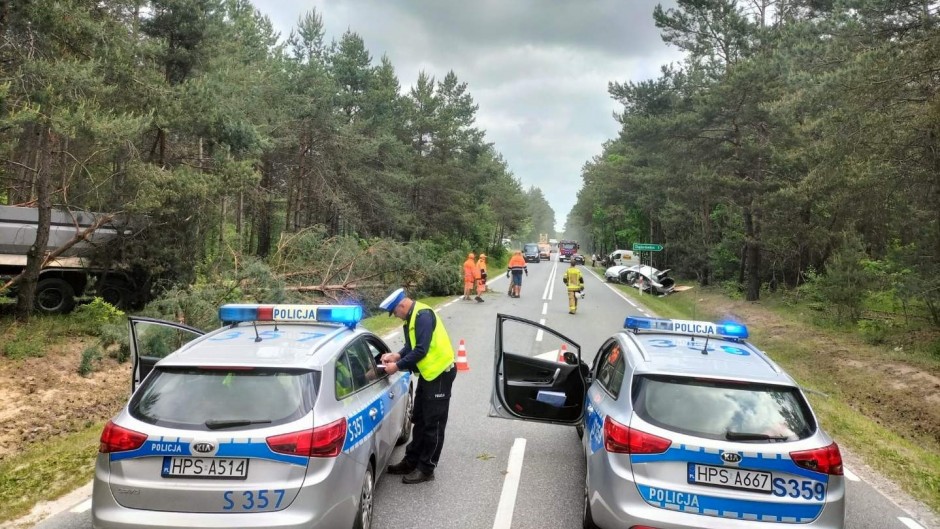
90 358
96 315
874 332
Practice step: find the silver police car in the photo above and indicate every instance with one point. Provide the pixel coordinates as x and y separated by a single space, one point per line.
684 424
281 418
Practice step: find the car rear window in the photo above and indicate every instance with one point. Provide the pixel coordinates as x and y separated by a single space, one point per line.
212 399
731 411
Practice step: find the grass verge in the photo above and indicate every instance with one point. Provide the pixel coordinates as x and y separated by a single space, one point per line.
856 409
47 470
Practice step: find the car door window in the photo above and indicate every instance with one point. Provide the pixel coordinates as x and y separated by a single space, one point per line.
361 364
610 370
343 375
376 351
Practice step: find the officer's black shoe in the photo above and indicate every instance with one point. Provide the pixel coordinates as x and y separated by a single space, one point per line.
479 299
418 476
401 468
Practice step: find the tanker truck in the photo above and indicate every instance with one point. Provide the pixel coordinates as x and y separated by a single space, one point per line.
87 268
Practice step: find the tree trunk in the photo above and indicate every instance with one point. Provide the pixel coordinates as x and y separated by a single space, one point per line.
34 257
264 210
753 253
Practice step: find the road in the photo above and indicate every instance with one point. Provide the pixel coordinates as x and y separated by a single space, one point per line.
475 485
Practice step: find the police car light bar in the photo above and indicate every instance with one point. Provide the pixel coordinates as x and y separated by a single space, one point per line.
726 330
348 315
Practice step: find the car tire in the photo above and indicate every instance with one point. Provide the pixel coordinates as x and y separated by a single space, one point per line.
406 423
587 519
366 495
54 296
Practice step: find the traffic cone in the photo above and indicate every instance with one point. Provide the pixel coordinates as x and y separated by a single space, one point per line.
462 364
561 353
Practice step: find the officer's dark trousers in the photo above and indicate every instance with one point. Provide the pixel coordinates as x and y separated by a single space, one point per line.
432 401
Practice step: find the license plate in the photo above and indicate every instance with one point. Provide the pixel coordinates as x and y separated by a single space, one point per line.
731 478
204 467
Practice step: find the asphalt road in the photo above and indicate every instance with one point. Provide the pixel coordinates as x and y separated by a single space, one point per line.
474 482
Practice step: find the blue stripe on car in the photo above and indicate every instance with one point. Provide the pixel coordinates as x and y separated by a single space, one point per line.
739 509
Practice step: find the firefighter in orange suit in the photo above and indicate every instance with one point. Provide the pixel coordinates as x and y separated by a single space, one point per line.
468 274
481 270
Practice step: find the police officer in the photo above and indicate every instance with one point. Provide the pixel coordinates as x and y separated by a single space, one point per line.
428 351
575 282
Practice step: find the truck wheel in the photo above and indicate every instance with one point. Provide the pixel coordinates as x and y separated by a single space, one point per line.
54 296
116 293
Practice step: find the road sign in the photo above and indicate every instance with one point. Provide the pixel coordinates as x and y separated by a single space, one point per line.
646 247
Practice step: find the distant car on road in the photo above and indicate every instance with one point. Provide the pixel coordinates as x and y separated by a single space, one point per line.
545 251
683 424
281 418
531 253
645 278
578 259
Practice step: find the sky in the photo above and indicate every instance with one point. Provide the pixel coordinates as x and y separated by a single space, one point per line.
538 69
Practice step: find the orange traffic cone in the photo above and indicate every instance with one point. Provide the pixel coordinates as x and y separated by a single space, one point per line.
462 364
561 353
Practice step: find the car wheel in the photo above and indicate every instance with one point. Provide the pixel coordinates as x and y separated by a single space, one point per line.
587 521
54 296
406 422
364 515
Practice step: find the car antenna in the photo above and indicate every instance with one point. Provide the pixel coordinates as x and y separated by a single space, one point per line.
705 349
254 325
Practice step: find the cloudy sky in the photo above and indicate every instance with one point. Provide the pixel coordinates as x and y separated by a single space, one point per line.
538 69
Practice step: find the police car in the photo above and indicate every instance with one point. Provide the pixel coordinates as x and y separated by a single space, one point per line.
281 418
683 424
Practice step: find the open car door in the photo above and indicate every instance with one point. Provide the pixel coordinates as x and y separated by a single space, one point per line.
538 374
151 340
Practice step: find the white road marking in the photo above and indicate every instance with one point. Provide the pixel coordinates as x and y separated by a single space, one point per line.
82 507
390 335
507 500
849 475
551 277
544 309
540 334
906 521
551 291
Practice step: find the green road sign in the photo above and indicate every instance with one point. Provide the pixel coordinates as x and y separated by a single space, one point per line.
646 247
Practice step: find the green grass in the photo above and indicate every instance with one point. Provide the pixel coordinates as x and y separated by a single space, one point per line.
47 471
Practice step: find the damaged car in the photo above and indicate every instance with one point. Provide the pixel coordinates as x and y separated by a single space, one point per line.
644 278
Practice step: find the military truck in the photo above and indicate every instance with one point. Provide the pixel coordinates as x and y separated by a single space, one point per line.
80 270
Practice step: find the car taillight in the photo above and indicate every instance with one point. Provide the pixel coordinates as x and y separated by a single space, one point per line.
827 460
622 439
322 441
117 439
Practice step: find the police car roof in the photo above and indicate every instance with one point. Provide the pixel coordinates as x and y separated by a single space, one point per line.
292 345
681 354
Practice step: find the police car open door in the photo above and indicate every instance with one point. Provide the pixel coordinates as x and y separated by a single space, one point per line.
151 340
538 374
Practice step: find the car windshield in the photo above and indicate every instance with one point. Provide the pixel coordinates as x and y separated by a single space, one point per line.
197 398
531 248
568 246
723 410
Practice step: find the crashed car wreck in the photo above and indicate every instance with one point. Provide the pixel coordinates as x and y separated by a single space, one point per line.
645 278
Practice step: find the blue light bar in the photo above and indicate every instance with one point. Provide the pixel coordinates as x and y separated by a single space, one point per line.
348 315
726 330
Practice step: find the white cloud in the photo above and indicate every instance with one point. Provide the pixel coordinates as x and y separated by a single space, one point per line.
538 69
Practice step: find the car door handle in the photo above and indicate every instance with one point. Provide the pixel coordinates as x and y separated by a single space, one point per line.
590 409
373 412
391 394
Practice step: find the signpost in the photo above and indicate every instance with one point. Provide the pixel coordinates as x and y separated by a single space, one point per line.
647 247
